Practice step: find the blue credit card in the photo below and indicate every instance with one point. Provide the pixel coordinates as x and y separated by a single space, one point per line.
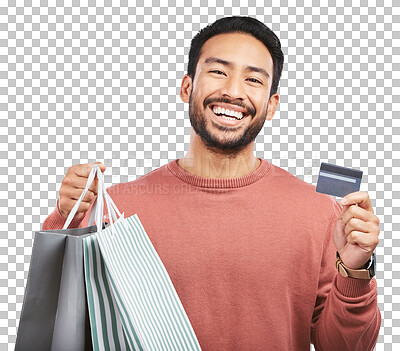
338 181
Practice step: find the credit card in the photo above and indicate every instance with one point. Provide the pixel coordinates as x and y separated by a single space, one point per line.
338 181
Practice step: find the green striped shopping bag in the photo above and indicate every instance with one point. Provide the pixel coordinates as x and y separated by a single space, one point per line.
132 302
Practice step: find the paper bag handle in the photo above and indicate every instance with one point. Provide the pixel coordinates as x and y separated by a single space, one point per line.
96 213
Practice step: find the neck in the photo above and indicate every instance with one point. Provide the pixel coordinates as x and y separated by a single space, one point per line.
201 161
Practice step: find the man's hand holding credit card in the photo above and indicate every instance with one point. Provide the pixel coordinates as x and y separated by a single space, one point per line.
357 228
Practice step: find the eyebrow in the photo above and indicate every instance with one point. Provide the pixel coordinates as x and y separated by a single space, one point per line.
231 65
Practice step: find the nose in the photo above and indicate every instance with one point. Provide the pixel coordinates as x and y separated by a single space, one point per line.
233 88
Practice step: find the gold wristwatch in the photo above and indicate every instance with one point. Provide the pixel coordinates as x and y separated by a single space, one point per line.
367 272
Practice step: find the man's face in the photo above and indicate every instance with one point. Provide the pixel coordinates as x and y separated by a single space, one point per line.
229 95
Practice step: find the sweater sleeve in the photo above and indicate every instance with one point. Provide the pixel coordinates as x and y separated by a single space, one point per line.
346 315
56 221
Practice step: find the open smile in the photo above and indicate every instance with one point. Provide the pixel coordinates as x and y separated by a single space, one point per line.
229 115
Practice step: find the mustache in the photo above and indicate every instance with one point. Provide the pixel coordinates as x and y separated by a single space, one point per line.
250 110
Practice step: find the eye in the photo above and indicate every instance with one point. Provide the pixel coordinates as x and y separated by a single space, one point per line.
253 80
217 72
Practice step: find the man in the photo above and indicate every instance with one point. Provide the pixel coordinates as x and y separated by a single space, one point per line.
249 248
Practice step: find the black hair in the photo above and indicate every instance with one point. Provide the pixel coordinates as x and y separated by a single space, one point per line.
239 24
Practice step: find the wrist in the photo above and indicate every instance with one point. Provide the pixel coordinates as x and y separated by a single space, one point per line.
365 272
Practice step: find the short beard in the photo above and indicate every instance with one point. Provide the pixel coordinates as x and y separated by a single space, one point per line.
230 147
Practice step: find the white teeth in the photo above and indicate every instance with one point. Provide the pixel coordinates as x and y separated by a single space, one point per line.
221 110
231 119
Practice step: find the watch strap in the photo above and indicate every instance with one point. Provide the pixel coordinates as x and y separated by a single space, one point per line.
352 273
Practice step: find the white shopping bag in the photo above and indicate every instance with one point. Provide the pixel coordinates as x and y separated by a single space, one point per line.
132 302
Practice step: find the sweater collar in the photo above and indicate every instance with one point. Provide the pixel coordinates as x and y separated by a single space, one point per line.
220 183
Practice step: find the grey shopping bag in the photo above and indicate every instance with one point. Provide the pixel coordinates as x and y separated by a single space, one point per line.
54 314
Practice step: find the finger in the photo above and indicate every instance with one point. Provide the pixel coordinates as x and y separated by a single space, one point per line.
344 209
354 211
79 183
82 210
94 186
360 197
82 170
367 241
66 205
102 166
76 194
356 224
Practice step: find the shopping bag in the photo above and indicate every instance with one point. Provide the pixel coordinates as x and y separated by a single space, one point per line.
106 324
54 314
128 285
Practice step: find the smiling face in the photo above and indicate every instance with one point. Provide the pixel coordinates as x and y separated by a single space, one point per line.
228 97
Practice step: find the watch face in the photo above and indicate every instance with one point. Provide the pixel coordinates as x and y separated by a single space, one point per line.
372 269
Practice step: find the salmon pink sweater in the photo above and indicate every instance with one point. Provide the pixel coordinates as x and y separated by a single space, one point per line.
251 258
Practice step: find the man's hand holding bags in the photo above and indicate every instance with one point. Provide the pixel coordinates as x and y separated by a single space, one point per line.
72 186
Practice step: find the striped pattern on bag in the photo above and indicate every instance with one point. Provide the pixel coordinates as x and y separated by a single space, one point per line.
152 315
105 322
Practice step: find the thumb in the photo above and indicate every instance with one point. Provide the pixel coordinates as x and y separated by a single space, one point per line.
339 235
344 209
102 166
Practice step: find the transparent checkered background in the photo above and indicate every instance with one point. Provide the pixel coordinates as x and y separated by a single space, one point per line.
90 80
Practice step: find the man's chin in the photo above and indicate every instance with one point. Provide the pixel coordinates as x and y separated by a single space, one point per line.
220 139
222 145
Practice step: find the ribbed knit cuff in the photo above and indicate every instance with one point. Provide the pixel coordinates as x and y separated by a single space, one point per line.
56 221
351 287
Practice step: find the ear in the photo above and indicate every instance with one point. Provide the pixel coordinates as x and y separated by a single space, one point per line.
272 105
186 88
